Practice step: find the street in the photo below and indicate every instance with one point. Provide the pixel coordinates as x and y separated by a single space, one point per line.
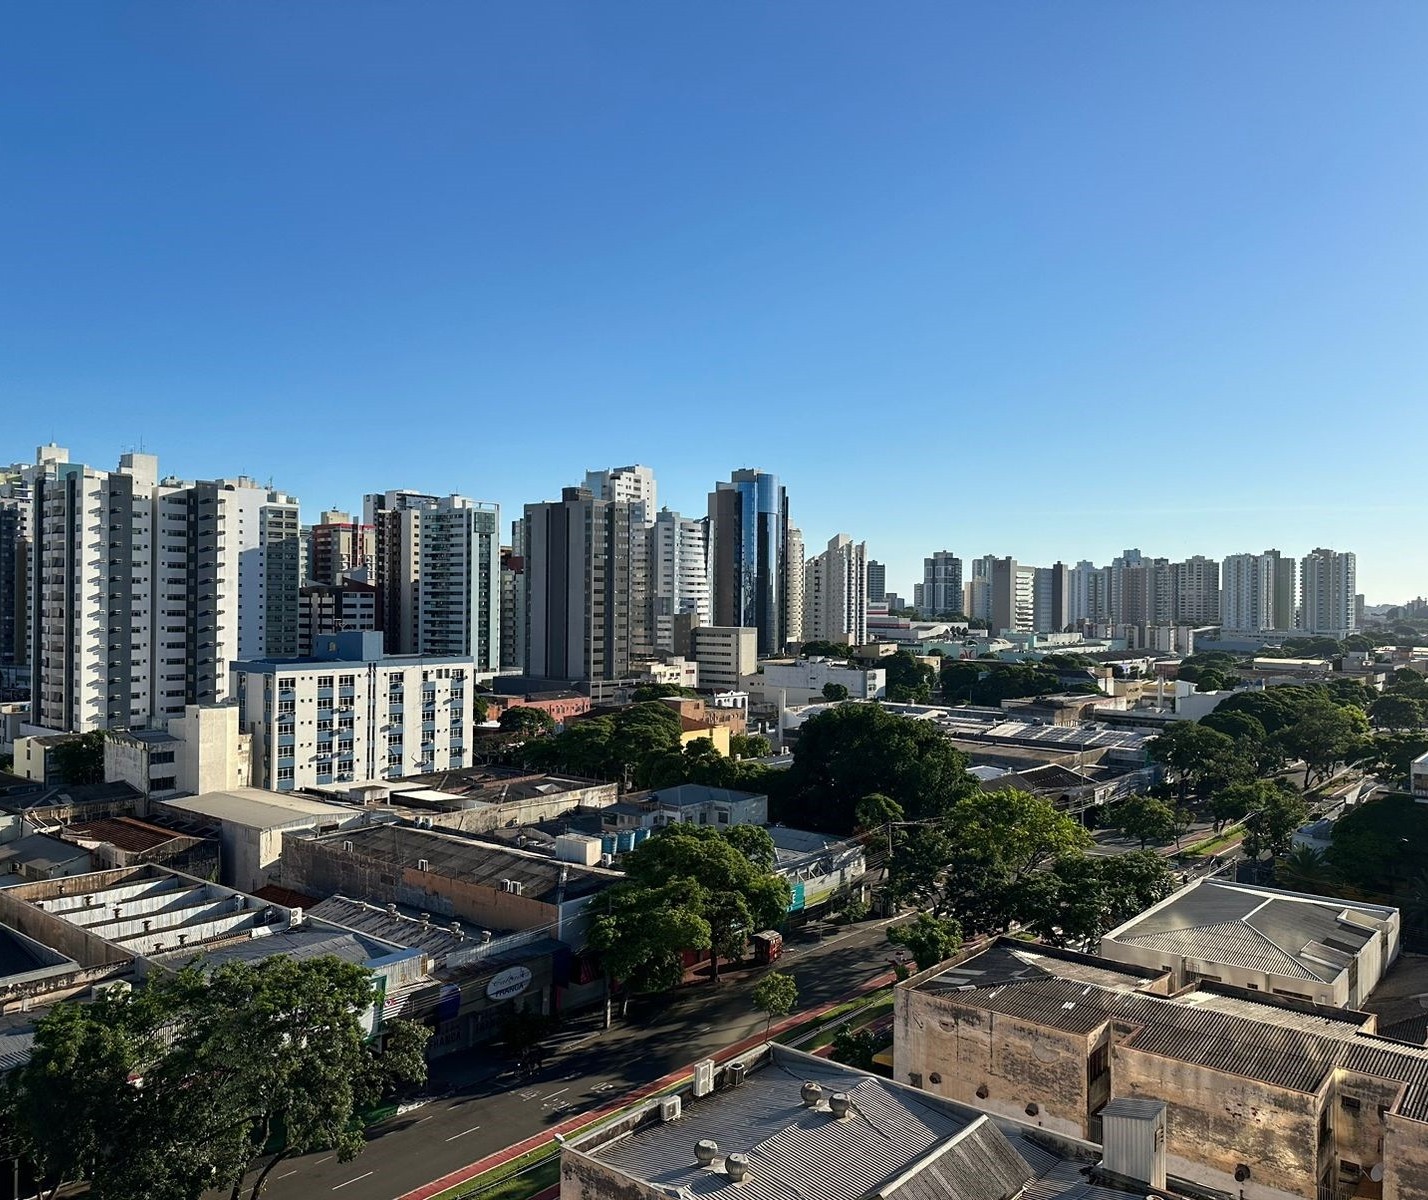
496 1110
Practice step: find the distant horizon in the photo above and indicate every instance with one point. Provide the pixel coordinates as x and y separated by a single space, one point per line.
309 510
1040 280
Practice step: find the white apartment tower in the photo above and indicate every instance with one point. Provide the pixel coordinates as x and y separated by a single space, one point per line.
835 593
679 574
146 589
794 602
438 570
629 485
1328 584
1257 592
1197 591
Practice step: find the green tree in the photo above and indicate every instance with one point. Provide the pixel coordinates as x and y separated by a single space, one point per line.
220 1065
876 811
80 759
930 940
643 933
855 1048
526 721
1381 844
1186 749
821 649
1277 811
958 679
775 995
908 680
749 745
849 752
1325 734
647 692
973 863
1392 755
1146 819
834 692
1398 712
1304 869
690 887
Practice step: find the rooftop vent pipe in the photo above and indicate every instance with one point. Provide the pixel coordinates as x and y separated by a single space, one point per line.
704 1151
736 1167
838 1104
810 1093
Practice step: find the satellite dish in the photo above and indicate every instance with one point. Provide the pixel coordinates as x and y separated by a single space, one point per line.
1376 1172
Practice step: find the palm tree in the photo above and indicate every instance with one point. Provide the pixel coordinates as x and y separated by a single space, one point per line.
1305 868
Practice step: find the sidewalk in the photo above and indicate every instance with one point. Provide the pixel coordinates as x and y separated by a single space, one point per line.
581 1120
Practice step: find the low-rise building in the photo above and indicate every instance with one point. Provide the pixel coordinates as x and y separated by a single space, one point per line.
724 654
1418 775
818 868
1313 948
562 705
696 804
451 877
202 751
778 1124
252 823
39 856
351 713
1266 1097
786 682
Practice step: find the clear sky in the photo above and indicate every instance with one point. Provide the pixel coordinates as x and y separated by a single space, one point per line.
1041 279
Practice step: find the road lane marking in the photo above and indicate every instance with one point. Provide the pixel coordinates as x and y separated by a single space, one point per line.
463 1133
286 1174
553 1095
419 1120
357 1180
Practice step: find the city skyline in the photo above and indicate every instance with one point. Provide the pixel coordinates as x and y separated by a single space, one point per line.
938 270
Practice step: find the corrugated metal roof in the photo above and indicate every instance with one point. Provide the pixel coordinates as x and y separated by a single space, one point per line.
796 1153
1234 944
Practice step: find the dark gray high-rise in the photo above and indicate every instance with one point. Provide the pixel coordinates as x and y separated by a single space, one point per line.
748 537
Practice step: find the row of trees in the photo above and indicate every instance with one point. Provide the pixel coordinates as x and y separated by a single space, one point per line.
180 1088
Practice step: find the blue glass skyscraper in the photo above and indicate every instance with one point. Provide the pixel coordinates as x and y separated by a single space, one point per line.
748 539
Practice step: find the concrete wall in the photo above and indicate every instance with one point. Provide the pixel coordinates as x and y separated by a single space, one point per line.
1335 995
1215 1121
1018 1064
1360 1133
214 755
1405 1160
586 1178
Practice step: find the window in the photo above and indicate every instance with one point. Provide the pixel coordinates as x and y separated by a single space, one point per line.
1349 1103
285 773
1349 1170
1098 1064
324 681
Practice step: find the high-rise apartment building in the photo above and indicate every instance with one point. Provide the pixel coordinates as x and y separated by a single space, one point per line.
1197 591
630 485
513 602
1328 587
586 610
1147 591
144 590
749 556
1082 591
18 522
1257 592
326 609
1013 596
1051 598
878 582
678 559
337 545
437 571
835 593
941 584
794 622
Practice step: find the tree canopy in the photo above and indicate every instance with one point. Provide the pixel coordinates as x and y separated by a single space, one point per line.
689 887
80 759
852 751
908 681
176 1089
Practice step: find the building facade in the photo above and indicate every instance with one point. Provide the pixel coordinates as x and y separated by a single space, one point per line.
835 593
749 555
351 713
437 569
941 584
1328 587
338 544
1197 591
144 590
679 574
587 614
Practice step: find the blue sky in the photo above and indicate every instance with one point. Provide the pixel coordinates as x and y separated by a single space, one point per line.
1041 279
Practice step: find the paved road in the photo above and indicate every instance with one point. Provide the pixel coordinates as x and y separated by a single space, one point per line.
486 1116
